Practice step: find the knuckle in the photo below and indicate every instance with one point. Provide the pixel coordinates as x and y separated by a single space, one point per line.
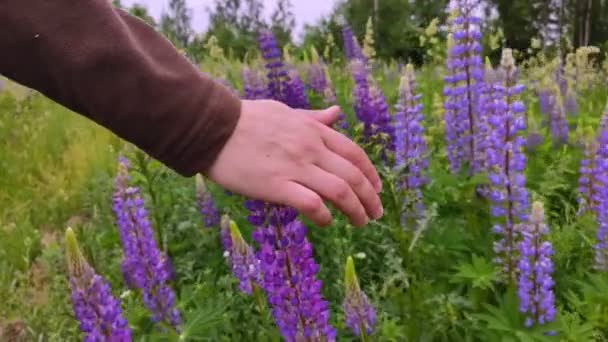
357 180
341 190
356 154
311 204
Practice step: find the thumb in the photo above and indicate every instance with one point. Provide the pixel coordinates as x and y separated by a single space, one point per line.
325 116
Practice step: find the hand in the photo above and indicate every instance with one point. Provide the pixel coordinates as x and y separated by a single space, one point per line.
290 156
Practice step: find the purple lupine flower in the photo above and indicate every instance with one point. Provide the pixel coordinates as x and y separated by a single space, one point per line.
384 126
206 206
144 267
315 78
455 126
551 104
567 91
360 315
254 84
276 71
593 188
371 108
465 78
289 280
533 140
535 282
319 82
600 180
410 151
590 187
240 256
557 117
97 311
285 254
294 91
361 95
506 162
352 49
544 101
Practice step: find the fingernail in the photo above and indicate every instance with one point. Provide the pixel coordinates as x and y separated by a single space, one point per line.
379 212
364 223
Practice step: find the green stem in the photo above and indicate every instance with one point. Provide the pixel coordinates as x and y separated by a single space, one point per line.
149 182
363 334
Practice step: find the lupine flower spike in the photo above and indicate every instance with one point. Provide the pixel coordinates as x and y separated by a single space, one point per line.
240 256
593 190
535 283
455 127
506 163
206 206
254 84
410 151
371 108
465 70
288 268
352 49
97 311
144 266
359 313
289 280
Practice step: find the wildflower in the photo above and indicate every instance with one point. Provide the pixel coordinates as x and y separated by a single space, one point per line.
143 265
506 162
240 256
455 125
465 72
295 94
315 77
371 107
593 190
208 210
360 314
535 283
97 311
254 85
320 83
289 278
410 150
276 71
284 253
352 49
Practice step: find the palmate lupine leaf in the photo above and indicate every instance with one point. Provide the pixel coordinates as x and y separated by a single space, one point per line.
504 322
480 273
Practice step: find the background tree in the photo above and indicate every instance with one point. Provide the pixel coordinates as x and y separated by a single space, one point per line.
282 21
176 23
141 11
235 23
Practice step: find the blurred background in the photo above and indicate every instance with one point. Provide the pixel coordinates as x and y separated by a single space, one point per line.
397 24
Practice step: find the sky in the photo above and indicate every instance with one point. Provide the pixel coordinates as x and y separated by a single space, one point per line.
305 11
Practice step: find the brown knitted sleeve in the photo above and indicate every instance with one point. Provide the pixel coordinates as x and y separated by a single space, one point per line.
119 72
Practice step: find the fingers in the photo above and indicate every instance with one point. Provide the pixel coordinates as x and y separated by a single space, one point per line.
337 191
356 180
350 151
325 116
306 202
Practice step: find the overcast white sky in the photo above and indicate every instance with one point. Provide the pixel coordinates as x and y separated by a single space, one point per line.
305 11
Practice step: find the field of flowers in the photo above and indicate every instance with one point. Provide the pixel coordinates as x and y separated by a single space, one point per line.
495 198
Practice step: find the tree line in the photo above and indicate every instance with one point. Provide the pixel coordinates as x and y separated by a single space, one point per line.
397 24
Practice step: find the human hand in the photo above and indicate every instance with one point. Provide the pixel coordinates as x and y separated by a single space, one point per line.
290 156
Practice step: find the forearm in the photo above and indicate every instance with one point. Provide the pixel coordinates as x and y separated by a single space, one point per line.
116 70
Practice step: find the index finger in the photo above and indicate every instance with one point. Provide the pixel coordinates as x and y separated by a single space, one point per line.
352 152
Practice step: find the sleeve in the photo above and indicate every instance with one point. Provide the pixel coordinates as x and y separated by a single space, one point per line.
118 71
